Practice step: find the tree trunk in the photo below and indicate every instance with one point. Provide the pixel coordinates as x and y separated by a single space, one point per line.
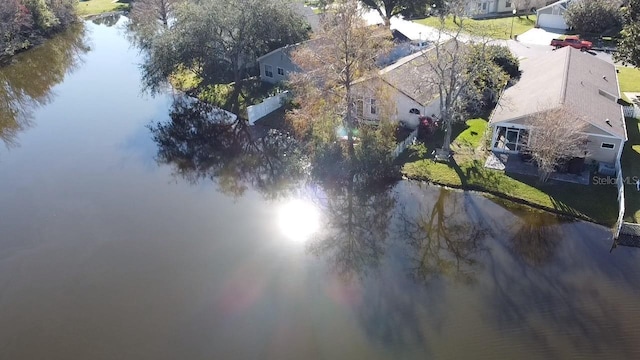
446 144
233 102
385 18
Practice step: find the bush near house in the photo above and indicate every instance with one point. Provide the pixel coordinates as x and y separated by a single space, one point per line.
594 16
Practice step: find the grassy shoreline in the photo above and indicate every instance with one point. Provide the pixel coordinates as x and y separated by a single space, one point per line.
594 203
89 8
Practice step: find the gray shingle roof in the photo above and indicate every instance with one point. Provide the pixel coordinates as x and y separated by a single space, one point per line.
568 77
407 76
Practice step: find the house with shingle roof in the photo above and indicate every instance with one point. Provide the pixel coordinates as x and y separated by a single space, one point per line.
565 78
404 83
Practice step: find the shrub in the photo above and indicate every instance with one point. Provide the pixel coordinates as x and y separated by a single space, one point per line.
593 16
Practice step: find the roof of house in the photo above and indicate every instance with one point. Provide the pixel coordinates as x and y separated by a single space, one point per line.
586 84
407 76
287 49
398 36
564 4
309 15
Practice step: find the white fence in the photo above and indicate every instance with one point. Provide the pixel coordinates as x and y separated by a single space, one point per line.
405 144
631 111
266 107
621 206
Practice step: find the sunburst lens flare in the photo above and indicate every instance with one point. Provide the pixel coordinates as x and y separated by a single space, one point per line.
298 220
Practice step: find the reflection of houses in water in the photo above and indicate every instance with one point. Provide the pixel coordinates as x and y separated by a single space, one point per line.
107 20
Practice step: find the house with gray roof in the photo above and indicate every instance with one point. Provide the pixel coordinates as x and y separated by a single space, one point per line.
563 78
403 82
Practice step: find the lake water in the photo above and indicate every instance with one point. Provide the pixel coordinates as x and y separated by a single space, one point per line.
107 253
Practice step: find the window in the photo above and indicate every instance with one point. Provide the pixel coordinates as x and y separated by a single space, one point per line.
508 4
607 146
372 107
414 111
268 71
280 71
484 6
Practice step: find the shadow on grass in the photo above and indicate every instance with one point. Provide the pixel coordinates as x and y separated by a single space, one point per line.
631 169
597 202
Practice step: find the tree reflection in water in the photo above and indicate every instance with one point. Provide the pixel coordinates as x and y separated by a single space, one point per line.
26 83
536 237
202 142
356 228
538 296
444 241
107 20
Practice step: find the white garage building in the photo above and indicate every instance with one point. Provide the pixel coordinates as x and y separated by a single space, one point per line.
552 16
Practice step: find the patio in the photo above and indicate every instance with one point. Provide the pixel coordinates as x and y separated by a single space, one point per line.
511 163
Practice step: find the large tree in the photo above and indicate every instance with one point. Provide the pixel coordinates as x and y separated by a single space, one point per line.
489 68
628 49
149 17
23 22
327 90
220 40
448 74
556 136
389 8
593 16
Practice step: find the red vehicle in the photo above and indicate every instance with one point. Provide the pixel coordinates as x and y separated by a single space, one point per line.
573 41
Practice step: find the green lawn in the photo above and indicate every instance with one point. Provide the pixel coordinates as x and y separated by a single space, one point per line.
629 79
631 169
473 134
593 202
495 28
95 7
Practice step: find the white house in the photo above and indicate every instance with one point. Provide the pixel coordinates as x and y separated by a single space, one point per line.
403 83
565 77
552 15
488 7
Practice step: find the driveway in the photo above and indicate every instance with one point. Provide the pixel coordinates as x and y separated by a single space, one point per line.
539 36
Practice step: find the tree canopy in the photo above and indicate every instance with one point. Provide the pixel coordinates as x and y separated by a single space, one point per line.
331 94
628 49
219 41
389 8
593 16
22 21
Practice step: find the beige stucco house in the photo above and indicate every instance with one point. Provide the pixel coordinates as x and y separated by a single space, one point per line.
565 77
402 82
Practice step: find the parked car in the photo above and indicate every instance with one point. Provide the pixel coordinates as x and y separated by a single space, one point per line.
573 41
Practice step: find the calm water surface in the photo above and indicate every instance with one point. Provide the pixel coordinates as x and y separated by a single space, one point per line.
106 253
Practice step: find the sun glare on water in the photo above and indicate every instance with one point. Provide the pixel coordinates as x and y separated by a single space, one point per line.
298 220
